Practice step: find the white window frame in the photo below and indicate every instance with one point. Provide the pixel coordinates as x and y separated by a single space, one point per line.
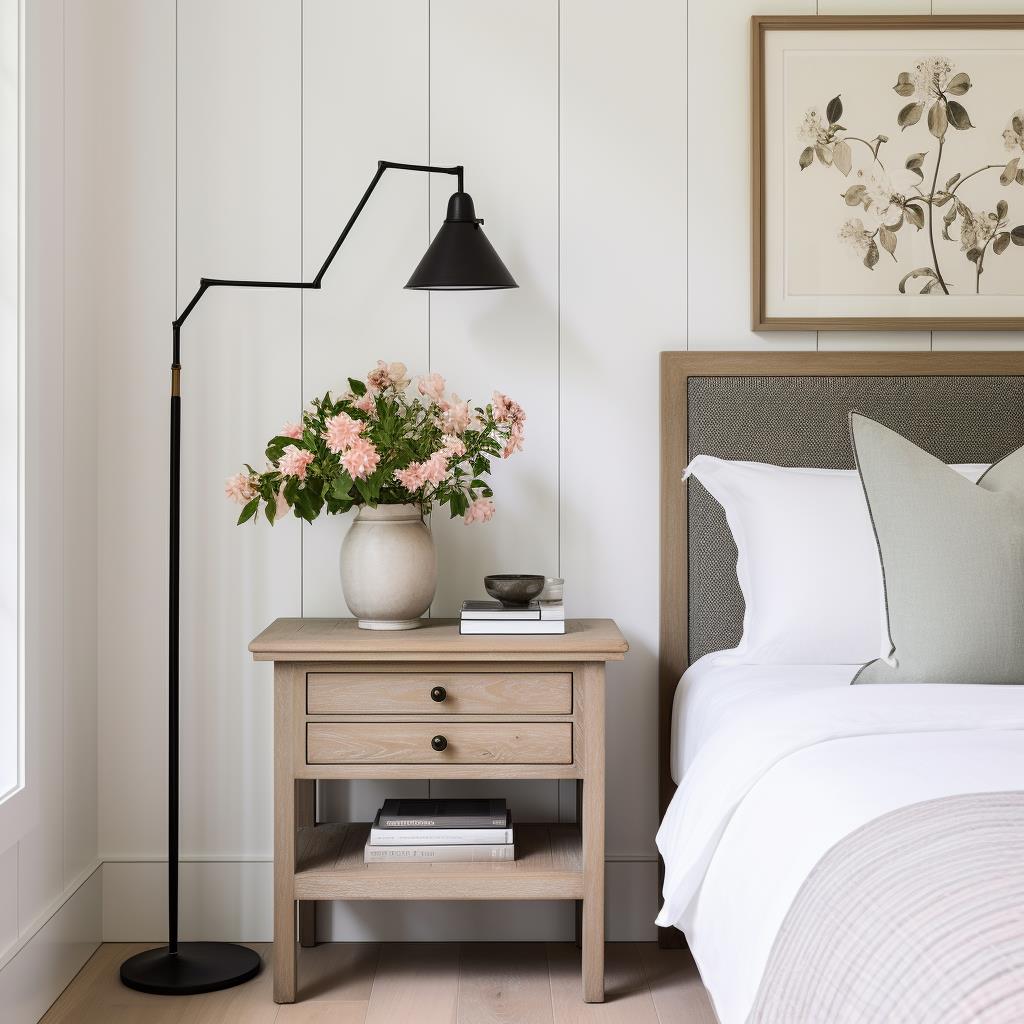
19 809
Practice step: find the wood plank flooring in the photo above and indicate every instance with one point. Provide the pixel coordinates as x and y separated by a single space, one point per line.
425 983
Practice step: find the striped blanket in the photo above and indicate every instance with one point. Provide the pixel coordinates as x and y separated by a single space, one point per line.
916 917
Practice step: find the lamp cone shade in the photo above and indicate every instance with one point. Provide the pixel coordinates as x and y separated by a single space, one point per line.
460 258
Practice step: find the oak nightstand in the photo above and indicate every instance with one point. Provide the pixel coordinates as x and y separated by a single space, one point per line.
431 704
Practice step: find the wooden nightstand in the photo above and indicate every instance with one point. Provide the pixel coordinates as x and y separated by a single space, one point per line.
363 704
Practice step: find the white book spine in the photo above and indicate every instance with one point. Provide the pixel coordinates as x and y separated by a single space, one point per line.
439 836
479 627
455 854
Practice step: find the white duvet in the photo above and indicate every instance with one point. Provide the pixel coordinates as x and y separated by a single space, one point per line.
778 764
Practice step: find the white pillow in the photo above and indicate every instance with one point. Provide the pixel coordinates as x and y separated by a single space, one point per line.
808 562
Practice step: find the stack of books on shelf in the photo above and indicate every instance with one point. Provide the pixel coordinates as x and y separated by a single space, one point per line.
405 831
491 617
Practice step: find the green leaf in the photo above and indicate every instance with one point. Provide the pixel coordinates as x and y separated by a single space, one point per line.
938 122
824 154
959 84
1000 242
854 195
249 511
952 181
363 489
357 387
872 256
920 272
1002 209
914 164
887 239
958 117
974 254
910 115
915 215
1017 235
842 156
1010 172
807 158
1020 176
834 110
904 84
342 487
271 511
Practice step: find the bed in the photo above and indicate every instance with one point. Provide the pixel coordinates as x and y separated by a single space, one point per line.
831 852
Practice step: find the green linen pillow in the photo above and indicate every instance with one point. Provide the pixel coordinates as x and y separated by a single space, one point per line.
952 562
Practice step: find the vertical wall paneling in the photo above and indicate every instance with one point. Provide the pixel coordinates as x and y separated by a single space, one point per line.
623 300
494 108
238 215
718 176
121 191
364 99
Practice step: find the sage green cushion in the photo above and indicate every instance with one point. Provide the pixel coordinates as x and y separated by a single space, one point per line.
952 562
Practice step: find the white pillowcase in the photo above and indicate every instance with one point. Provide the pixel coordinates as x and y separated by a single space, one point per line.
808 562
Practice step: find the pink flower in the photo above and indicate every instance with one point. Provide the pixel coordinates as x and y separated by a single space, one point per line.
480 511
454 415
388 375
240 488
506 410
432 385
515 442
294 461
435 469
342 432
411 478
453 446
367 403
293 430
361 459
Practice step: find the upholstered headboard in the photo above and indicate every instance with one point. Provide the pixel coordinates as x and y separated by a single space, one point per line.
791 409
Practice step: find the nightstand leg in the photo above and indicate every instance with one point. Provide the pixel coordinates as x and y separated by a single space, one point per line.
305 814
593 839
285 791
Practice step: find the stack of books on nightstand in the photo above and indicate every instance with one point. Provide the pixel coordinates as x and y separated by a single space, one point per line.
405 831
491 617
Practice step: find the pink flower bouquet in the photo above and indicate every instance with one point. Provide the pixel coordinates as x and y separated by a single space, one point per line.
384 443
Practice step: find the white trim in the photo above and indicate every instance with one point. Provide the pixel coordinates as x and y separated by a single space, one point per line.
47 914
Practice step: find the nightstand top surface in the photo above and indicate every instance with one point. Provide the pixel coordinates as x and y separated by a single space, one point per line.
340 639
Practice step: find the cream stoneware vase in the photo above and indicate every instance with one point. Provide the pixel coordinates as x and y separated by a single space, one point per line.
388 567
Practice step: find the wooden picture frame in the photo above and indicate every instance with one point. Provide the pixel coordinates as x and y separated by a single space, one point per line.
768 240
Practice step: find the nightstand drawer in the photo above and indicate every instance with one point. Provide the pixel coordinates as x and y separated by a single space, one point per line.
442 693
439 743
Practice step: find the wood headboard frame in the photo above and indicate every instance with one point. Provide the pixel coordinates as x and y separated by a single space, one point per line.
676 369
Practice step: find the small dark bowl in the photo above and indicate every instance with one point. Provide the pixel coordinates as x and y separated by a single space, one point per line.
514 591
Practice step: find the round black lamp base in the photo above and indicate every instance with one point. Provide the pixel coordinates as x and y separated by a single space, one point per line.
196 967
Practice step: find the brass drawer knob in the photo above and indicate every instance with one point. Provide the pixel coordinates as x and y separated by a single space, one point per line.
439 743
438 694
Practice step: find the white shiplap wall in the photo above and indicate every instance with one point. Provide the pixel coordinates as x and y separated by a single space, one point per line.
606 144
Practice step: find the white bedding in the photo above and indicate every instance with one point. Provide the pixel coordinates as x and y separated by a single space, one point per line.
780 764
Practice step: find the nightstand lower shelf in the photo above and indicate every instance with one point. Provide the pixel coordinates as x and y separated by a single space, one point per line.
548 866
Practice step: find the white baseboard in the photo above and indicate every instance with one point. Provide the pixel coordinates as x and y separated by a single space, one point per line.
46 963
232 900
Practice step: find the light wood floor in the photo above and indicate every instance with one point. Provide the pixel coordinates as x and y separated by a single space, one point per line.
422 983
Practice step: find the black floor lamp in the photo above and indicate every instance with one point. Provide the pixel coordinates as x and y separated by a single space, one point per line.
459 259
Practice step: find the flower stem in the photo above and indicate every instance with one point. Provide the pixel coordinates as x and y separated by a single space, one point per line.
874 151
931 231
987 167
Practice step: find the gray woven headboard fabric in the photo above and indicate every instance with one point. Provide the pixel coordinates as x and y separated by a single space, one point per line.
802 421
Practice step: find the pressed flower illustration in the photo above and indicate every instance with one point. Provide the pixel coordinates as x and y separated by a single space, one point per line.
925 195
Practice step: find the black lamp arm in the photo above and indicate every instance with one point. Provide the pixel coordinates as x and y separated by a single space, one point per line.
206 283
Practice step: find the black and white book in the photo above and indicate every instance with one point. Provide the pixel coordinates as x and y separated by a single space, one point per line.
453 813
453 854
516 627
440 836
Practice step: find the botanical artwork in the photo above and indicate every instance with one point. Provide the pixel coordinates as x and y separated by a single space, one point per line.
384 441
900 183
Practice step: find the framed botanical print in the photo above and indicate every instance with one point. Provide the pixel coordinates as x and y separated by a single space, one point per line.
888 173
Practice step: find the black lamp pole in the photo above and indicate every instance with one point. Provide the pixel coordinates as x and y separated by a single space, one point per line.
459 259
